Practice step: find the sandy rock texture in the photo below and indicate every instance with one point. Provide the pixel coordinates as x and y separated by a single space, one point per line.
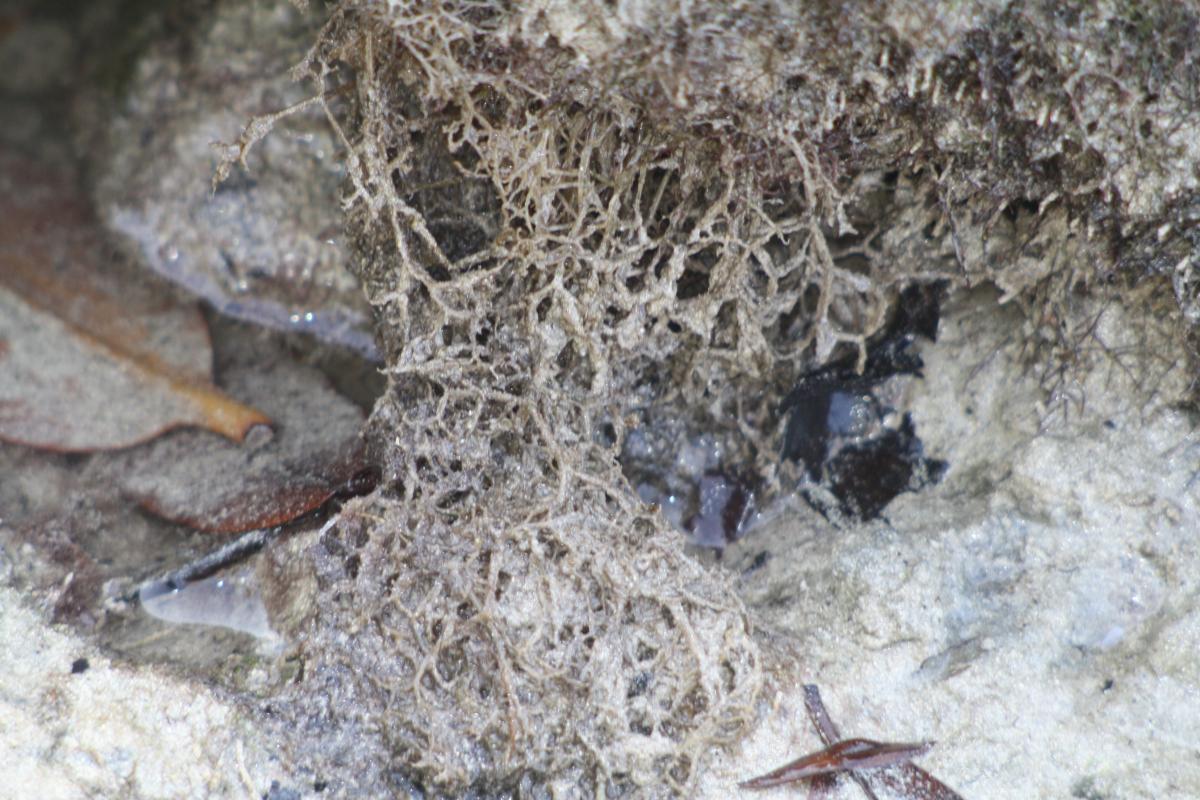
1035 614
74 724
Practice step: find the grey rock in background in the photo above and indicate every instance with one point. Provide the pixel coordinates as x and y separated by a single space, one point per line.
266 245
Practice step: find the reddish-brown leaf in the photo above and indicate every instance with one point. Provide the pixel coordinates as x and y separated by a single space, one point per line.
865 761
200 480
93 354
847 755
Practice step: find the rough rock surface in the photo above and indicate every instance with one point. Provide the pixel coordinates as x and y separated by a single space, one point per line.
1036 613
265 245
74 724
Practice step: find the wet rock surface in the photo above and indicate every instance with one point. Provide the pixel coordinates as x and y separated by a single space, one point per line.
849 429
845 428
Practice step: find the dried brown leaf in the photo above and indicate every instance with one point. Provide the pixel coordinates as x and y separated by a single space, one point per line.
93 355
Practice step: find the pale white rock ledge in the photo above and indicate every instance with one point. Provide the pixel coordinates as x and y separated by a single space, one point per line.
112 730
1036 612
